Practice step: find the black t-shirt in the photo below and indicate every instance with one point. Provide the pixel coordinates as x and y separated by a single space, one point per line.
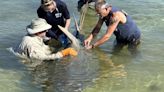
57 17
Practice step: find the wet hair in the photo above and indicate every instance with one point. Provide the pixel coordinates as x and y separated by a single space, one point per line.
101 5
98 5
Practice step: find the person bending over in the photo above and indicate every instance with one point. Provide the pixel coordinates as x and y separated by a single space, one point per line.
117 22
55 12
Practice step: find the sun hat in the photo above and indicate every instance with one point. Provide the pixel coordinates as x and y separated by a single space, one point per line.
46 2
38 25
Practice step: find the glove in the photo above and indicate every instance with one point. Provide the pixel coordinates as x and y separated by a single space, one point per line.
69 51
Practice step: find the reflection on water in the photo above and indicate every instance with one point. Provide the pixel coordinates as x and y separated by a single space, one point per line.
77 75
110 74
70 74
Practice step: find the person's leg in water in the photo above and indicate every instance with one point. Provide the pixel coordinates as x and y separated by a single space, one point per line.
133 45
118 45
64 40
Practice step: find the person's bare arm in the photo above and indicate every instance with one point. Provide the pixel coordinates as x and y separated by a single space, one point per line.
94 32
108 34
67 25
118 17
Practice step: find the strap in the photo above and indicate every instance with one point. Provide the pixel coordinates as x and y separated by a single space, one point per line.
124 12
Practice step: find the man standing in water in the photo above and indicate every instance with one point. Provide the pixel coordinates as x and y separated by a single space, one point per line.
83 2
119 23
32 45
55 13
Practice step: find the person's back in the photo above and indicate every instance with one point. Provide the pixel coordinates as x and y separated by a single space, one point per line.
29 43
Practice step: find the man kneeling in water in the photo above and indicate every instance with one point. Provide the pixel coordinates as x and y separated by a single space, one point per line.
33 47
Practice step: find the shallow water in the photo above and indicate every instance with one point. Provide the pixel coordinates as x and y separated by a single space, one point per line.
97 70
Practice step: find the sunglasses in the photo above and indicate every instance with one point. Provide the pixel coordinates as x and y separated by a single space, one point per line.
47 4
43 31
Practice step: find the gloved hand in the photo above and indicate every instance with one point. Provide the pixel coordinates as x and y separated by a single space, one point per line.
69 51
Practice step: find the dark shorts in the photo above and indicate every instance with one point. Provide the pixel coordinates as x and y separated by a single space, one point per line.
132 44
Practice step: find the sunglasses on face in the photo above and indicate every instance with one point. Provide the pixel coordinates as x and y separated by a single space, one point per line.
47 5
43 31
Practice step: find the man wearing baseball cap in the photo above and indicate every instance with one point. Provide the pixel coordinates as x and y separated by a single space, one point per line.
33 47
55 12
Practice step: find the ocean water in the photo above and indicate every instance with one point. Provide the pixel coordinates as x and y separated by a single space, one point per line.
95 70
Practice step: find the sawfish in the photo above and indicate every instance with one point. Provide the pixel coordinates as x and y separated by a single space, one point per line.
75 42
75 38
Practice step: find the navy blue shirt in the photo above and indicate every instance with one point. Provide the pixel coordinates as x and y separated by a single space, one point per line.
57 17
123 32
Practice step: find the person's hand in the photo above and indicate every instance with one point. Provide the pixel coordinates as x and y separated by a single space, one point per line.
69 51
89 47
87 42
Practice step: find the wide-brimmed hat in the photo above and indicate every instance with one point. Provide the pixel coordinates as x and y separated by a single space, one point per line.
46 2
38 25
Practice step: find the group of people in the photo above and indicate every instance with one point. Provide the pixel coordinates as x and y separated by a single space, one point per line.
52 13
